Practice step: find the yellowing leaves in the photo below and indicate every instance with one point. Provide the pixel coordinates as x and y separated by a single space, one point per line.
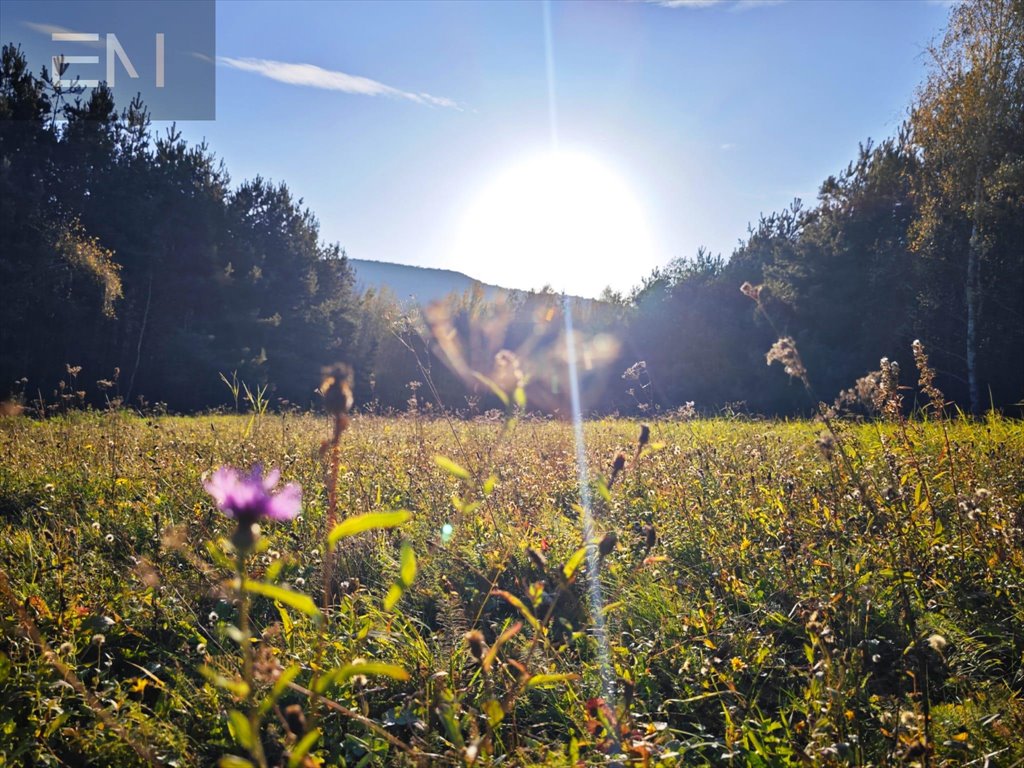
406 574
368 522
453 469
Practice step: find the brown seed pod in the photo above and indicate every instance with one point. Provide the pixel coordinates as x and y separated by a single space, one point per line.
607 543
619 464
296 719
475 641
336 388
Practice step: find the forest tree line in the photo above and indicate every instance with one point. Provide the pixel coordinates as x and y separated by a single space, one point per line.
127 253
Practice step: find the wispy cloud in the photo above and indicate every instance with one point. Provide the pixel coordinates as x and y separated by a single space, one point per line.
732 5
686 3
312 76
53 29
726 147
746 5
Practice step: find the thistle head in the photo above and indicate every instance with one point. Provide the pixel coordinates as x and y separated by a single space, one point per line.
250 498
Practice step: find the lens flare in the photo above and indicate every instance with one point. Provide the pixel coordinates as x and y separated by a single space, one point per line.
593 557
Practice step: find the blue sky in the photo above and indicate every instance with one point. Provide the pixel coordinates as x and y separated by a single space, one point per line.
705 113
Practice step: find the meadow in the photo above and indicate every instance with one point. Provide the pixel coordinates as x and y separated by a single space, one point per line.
742 592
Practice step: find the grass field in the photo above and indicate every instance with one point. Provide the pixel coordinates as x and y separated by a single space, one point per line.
775 594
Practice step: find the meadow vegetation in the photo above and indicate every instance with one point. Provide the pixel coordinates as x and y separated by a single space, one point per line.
774 593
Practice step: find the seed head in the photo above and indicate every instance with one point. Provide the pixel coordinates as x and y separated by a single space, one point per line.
295 718
650 536
784 351
359 681
537 558
336 388
751 291
475 641
619 463
826 443
607 543
926 378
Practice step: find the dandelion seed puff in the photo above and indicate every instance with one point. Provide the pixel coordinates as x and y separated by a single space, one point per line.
359 680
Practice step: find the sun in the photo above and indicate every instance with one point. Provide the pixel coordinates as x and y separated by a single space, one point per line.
559 218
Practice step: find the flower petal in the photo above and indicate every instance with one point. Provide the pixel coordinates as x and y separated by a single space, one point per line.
222 484
286 504
272 479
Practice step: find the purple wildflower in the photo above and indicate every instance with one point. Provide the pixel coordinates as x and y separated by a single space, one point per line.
250 498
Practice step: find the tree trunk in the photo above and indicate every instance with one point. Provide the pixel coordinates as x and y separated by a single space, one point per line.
972 321
973 298
142 333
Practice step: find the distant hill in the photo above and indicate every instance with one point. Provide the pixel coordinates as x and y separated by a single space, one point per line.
419 284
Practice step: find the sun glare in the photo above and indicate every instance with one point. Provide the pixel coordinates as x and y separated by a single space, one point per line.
559 218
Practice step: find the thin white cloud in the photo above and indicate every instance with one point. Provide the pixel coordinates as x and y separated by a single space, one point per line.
746 5
726 147
53 29
686 3
312 76
732 5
